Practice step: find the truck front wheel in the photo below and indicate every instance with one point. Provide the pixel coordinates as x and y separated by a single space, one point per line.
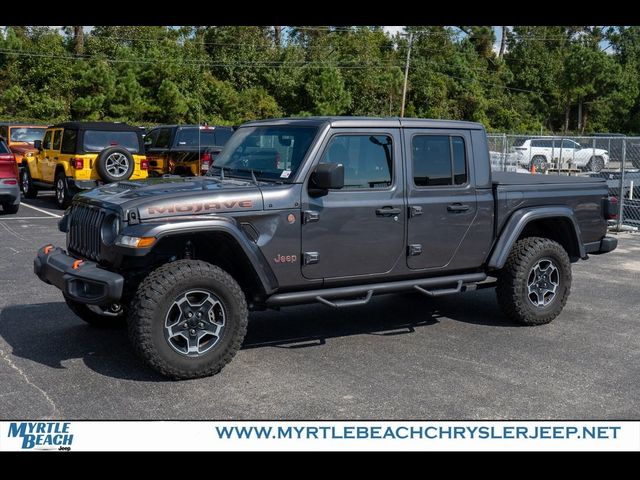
535 282
188 319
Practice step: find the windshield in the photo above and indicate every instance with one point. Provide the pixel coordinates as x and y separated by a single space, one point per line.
98 140
273 152
27 134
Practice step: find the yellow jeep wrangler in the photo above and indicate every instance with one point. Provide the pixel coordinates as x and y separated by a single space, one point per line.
76 156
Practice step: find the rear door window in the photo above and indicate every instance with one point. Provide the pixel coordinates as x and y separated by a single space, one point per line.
439 160
56 139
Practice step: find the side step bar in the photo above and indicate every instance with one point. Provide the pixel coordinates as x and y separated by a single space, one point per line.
428 286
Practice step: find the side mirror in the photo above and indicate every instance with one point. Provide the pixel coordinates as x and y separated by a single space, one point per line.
37 144
326 176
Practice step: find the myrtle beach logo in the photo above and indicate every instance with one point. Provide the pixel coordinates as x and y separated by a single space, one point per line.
42 435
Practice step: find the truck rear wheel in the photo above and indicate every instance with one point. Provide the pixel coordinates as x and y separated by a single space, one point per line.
188 319
63 196
113 317
535 282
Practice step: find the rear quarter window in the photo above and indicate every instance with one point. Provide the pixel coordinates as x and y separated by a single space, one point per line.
3 147
69 140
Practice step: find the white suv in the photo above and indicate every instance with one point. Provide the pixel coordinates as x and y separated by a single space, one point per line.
544 152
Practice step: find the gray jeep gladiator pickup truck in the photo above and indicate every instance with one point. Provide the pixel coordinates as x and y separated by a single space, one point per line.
329 210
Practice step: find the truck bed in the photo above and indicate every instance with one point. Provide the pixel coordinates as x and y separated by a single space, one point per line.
584 195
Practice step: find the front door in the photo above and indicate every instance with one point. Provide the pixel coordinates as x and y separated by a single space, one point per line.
359 229
442 198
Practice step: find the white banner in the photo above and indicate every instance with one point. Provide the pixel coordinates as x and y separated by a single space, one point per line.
320 436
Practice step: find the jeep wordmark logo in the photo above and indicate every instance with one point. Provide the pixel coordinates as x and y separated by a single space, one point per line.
285 258
199 207
42 435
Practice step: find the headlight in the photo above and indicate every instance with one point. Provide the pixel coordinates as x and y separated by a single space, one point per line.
135 242
29 154
110 229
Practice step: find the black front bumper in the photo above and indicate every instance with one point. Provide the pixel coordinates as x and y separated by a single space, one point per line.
87 283
605 245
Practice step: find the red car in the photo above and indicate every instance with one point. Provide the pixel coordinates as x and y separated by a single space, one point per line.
9 187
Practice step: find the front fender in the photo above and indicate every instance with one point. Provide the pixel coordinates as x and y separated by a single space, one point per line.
519 220
203 224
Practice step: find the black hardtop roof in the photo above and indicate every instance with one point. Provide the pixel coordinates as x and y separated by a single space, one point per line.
107 126
368 122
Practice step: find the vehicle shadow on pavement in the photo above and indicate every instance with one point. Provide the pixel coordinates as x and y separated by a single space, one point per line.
48 333
388 315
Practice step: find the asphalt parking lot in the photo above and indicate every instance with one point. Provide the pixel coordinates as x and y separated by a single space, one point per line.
405 356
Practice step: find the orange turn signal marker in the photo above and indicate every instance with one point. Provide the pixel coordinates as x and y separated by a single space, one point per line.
146 242
77 264
47 249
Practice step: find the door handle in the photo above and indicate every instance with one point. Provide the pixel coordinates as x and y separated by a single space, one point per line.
388 211
457 207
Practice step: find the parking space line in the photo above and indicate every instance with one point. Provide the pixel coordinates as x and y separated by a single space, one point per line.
40 210
2 219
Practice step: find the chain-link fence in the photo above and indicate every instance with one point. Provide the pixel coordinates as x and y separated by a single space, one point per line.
615 158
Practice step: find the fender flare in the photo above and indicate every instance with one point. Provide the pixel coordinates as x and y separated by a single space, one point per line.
519 220
209 224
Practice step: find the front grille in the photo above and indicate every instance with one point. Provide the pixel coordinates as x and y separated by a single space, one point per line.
85 223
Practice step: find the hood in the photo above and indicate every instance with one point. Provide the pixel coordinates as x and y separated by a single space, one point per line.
22 148
176 196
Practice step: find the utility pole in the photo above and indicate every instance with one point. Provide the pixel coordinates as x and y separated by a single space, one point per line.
580 115
406 75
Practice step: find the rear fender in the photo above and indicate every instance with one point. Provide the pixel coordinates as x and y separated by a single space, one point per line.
517 223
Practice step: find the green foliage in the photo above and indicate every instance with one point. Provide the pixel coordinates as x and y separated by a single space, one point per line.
231 74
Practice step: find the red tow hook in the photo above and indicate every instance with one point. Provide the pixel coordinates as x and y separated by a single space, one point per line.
77 264
47 249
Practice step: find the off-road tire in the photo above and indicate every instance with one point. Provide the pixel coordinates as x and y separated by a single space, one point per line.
151 304
95 319
61 189
512 283
26 184
9 208
109 155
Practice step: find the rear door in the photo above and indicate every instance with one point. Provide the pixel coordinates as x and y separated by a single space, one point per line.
359 229
442 197
44 158
54 154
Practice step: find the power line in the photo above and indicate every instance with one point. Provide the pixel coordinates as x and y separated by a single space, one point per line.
283 63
